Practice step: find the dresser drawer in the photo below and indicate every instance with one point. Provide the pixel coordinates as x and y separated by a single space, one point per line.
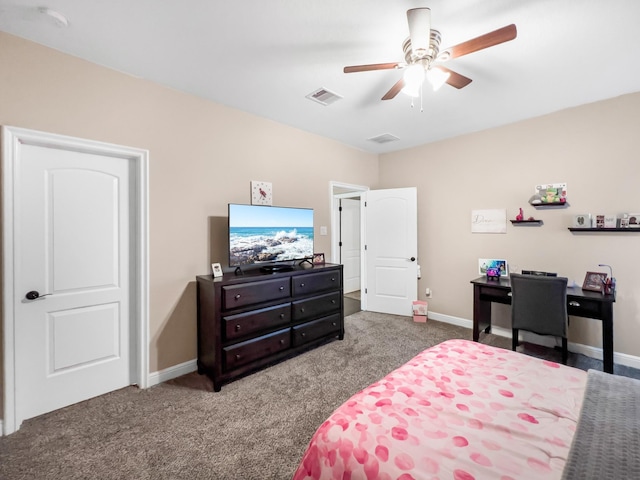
235 296
315 282
242 324
256 348
316 306
315 329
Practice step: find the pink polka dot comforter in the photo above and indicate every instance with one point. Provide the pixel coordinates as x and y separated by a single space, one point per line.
460 410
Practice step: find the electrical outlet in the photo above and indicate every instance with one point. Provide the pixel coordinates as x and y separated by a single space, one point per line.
428 292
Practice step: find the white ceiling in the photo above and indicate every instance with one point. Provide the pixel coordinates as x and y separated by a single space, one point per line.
264 56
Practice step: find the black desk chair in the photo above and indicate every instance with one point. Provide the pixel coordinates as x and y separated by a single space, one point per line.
539 305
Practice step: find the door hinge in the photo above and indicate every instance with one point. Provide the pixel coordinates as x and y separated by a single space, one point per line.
340 208
339 244
365 247
365 203
365 290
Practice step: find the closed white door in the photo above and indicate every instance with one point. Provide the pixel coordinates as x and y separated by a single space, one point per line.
74 242
350 243
391 250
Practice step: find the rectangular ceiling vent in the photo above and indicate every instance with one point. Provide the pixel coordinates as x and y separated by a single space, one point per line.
324 97
384 138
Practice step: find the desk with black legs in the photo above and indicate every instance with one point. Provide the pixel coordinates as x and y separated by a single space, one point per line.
580 303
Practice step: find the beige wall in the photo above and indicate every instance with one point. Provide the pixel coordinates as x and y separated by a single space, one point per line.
202 156
594 148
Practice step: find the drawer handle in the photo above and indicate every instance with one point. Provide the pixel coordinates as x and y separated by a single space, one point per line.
282 315
334 324
333 279
281 288
303 334
302 310
237 296
302 284
281 341
333 301
237 357
573 303
237 328
509 294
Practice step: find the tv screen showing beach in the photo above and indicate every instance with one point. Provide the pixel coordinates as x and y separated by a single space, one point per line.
260 234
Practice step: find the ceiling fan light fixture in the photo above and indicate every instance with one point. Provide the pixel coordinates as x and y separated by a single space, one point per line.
437 77
413 78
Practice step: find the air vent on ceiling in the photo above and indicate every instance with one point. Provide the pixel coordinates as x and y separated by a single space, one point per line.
384 138
324 97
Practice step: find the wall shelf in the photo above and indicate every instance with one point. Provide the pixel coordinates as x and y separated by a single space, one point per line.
543 205
526 222
631 230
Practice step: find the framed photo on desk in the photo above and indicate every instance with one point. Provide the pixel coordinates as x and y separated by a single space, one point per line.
594 281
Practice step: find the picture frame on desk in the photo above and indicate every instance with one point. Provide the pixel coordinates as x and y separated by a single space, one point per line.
486 263
594 281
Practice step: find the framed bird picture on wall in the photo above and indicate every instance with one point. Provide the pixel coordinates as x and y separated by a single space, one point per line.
261 193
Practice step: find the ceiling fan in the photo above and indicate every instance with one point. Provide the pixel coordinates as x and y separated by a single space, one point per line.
423 56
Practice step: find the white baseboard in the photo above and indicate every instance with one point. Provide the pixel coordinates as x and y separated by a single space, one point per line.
156 378
587 350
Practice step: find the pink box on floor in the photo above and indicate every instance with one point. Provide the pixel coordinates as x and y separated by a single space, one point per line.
420 311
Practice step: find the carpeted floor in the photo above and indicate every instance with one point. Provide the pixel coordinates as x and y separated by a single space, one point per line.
255 428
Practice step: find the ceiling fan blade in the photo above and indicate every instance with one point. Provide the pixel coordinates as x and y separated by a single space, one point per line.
394 90
419 20
455 79
487 40
374 66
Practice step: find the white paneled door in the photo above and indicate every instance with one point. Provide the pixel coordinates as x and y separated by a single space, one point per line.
74 276
391 250
350 243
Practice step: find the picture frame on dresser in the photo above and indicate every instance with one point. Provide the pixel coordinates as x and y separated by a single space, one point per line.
216 270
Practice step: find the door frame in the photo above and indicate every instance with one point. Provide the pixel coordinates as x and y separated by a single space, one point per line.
12 138
338 190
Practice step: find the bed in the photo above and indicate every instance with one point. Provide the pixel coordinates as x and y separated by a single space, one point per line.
463 410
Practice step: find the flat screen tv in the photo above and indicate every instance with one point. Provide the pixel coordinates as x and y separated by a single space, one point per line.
275 237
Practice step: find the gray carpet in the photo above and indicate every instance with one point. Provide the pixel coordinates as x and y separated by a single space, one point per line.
255 428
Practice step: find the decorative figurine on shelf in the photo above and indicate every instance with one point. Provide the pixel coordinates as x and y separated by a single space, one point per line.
520 216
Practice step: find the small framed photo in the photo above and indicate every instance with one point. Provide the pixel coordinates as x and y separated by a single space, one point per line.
318 258
486 263
582 220
624 220
216 269
634 220
594 281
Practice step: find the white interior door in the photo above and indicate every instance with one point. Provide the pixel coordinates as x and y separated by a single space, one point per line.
390 251
350 243
74 243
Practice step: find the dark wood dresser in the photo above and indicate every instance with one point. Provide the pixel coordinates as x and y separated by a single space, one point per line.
249 321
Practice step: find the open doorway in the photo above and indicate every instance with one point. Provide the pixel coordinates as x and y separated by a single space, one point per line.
346 245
